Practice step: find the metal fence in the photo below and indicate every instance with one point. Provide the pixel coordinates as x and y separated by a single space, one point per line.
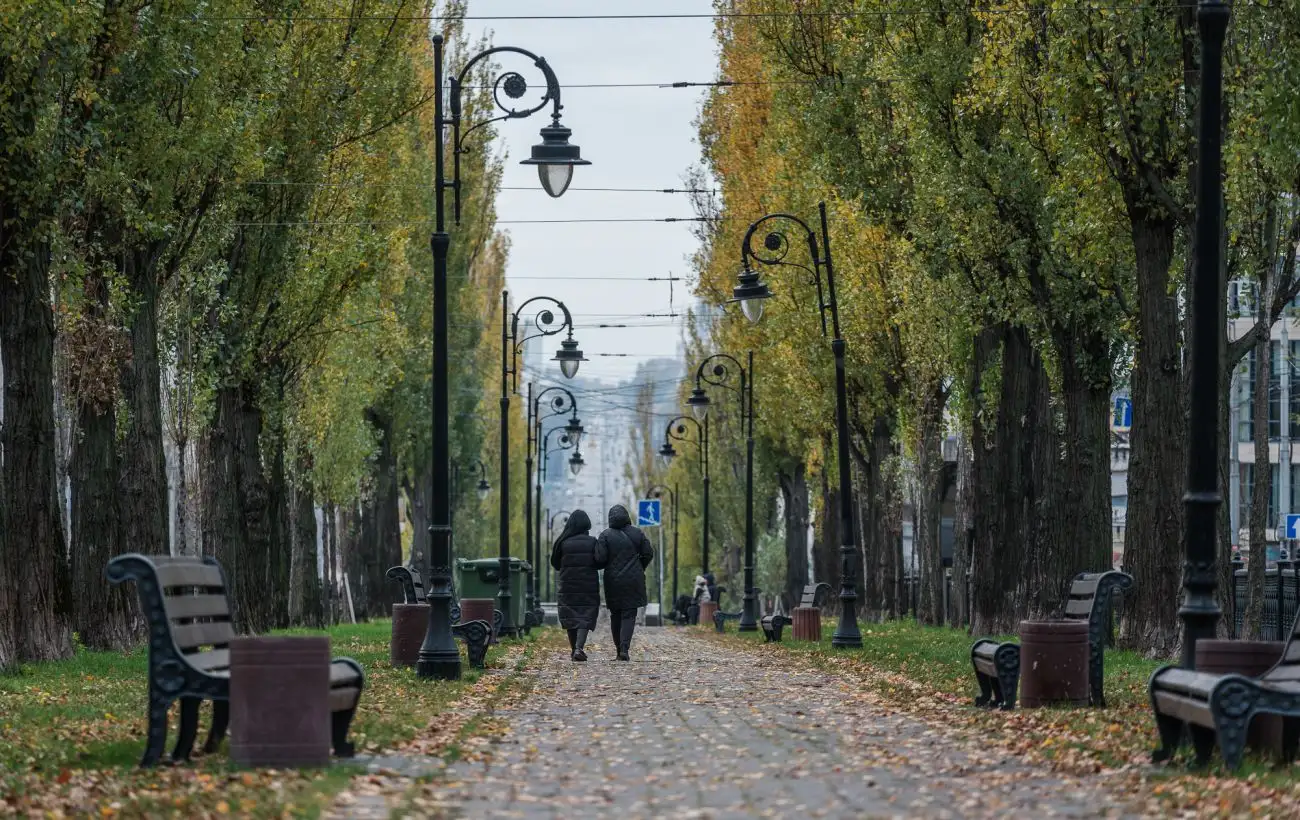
1281 592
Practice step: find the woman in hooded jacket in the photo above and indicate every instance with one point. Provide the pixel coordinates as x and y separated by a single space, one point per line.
623 552
573 556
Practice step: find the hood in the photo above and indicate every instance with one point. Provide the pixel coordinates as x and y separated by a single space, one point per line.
578 523
618 517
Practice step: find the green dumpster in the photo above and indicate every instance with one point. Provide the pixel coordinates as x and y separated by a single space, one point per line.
481 578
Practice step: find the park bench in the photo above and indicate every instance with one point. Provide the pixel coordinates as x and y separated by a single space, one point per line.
476 634
187 608
1209 705
772 627
997 665
720 618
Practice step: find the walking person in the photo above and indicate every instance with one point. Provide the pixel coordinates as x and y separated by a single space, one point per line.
623 552
578 595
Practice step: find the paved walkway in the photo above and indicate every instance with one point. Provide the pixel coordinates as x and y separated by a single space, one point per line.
628 740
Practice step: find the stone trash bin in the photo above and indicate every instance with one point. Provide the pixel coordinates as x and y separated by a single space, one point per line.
1252 659
280 701
410 622
806 622
478 609
707 608
1053 663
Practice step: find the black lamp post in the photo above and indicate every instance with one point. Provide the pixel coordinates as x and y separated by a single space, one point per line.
655 492
720 375
555 158
676 431
557 405
751 293
569 356
1200 612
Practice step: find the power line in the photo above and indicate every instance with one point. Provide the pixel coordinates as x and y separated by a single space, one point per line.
398 222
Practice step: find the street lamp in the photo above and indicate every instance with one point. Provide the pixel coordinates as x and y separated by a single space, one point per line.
751 293
1200 611
439 656
575 463
483 488
655 492
563 402
676 431
544 323
720 375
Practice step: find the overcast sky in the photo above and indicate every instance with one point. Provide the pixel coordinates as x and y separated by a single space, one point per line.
635 138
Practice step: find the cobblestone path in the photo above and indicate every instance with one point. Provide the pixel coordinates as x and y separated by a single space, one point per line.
693 729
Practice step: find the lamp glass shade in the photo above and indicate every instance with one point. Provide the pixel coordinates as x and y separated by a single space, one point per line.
666 453
753 309
569 367
573 430
484 488
575 464
555 177
699 402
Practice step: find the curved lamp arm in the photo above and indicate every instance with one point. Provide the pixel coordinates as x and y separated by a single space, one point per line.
774 249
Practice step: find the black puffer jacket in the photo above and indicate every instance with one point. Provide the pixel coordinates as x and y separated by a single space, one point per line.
623 552
574 557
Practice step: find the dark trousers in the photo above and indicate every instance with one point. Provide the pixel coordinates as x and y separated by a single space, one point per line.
622 622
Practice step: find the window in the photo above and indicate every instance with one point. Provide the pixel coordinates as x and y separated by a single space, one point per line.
1246 425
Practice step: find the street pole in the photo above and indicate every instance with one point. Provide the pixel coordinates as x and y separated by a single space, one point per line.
439 657
503 546
704 558
1200 611
675 531
749 613
530 604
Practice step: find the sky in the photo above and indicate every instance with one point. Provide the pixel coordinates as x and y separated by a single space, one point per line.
635 138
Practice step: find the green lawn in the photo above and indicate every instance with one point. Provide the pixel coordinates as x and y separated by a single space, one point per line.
72 732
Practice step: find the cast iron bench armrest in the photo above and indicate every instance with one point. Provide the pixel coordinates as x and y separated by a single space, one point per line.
772 626
412 587
720 618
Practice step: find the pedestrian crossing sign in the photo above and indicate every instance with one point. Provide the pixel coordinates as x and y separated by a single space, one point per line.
647 512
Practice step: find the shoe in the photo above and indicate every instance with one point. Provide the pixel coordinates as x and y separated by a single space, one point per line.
622 656
579 655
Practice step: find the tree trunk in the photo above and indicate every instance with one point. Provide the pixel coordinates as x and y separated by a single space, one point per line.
386 518
826 548
1008 482
35 605
142 481
794 495
417 511
279 556
353 549
1157 466
1260 495
926 544
305 601
329 517
963 535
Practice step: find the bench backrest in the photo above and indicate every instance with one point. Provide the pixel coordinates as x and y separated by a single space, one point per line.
1091 595
412 585
183 594
811 592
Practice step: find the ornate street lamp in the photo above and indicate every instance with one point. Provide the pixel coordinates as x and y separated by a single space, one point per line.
576 462
556 405
720 375
544 323
439 658
676 431
751 293
1200 611
655 492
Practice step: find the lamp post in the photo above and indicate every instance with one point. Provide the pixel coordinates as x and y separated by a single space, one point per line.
557 405
550 536
482 489
555 159
676 431
1200 612
544 323
655 492
720 375
751 293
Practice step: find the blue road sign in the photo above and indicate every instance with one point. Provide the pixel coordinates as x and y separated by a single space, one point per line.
647 512
1121 416
1293 527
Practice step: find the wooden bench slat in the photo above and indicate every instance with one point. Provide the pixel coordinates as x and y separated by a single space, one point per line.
196 606
1184 708
341 673
1185 680
1284 672
211 661
189 574
1082 589
1079 608
206 634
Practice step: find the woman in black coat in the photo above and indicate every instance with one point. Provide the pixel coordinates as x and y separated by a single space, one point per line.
579 589
623 552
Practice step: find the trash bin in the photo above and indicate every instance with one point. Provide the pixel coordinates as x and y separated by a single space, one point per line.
481 578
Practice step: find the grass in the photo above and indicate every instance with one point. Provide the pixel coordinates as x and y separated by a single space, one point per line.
72 732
